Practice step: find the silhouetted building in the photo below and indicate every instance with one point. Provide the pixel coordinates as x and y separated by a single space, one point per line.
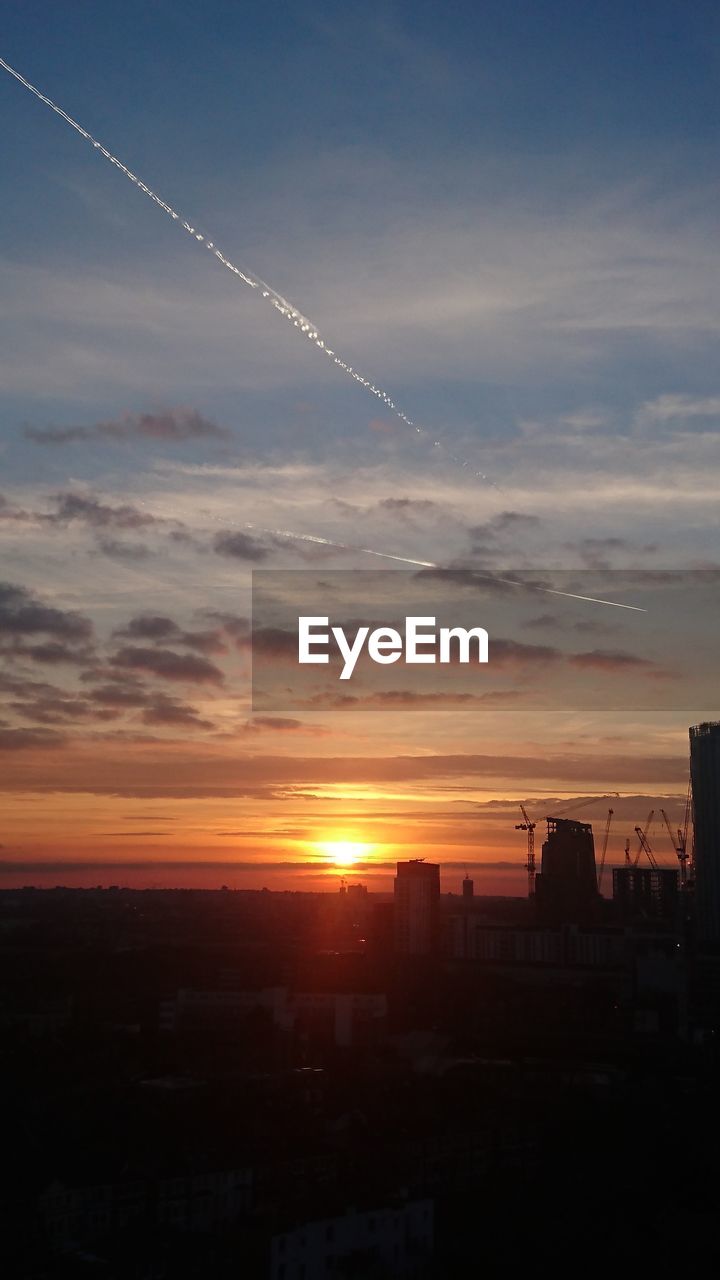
417 907
567 946
566 889
75 1215
705 777
468 887
392 1240
346 1017
645 893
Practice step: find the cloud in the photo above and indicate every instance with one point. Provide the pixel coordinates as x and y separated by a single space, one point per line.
168 665
609 660
128 694
97 514
51 652
675 409
234 625
164 710
202 768
29 739
148 626
506 653
23 614
406 506
176 867
23 687
281 723
130 551
9 512
406 698
561 622
486 581
269 643
240 546
597 552
174 425
503 523
160 629
120 693
46 703
60 708
603 544
103 518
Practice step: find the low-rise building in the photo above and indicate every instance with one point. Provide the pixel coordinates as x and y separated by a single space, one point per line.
392 1241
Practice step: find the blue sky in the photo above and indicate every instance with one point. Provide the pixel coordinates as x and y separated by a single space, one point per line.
530 162
504 214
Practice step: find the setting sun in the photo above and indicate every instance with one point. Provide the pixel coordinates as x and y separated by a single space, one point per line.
344 853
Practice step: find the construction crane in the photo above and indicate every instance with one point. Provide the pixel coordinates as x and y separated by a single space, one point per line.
606 837
527 825
645 846
679 842
586 801
678 847
643 833
688 859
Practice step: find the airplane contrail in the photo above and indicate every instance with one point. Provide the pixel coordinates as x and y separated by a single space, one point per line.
429 564
275 299
293 536
340 546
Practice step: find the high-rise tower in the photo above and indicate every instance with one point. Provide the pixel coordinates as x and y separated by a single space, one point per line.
705 777
417 907
566 889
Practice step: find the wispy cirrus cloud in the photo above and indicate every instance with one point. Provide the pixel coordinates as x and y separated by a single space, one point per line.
675 409
159 770
610 660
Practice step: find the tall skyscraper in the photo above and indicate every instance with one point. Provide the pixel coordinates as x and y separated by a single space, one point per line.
417 907
566 890
705 777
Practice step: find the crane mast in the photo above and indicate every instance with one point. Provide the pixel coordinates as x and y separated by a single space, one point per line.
645 846
642 834
604 847
678 843
527 825
687 861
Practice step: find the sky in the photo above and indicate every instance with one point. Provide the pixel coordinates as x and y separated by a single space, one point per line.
505 216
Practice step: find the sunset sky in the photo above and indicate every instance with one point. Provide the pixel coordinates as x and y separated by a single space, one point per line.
499 214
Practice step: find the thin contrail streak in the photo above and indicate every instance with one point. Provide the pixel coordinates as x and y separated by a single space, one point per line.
341 546
251 279
429 564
